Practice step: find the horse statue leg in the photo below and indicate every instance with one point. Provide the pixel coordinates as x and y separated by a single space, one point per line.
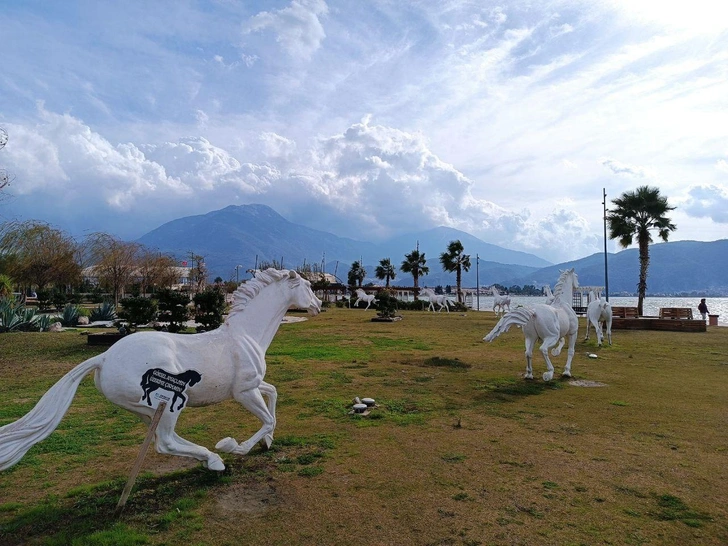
570 355
271 395
530 344
168 442
608 324
253 401
547 343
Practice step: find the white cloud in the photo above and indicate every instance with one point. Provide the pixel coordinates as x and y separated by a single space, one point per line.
298 27
617 167
709 201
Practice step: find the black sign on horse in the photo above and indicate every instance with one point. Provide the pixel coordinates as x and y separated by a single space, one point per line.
157 378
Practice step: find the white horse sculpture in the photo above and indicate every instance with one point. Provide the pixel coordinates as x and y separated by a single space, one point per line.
549 294
597 312
225 363
551 323
435 299
500 302
363 296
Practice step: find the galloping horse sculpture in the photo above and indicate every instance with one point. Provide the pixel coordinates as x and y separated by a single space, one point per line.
597 312
230 362
363 296
551 323
435 299
500 302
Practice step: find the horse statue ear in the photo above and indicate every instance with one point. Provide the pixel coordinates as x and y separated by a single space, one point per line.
292 274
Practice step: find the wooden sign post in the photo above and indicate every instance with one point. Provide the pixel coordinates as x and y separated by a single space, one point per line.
140 458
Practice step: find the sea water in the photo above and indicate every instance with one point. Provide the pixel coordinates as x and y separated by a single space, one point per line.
651 306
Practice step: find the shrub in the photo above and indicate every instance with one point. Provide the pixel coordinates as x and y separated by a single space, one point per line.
138 310
173 308
59 300
209 308
44 298
386 304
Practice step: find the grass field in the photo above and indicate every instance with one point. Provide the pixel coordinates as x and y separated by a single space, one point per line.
460 451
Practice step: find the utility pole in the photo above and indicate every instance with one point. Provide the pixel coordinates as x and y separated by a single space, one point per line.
477 279
606 271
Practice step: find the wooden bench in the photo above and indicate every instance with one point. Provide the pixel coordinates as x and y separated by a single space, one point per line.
625 312
676 313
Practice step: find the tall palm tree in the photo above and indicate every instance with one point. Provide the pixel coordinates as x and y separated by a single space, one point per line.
385 270
635 215
415 264
356 274
455 261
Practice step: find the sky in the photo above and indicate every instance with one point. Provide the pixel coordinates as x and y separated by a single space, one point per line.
368 120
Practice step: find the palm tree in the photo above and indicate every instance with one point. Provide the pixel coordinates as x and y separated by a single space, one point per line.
455 261
385 270
356 274
414 263
637 213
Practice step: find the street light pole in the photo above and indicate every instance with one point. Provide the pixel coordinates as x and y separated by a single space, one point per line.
606 272
477 279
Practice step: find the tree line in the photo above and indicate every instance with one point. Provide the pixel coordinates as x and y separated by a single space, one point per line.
453 260
36 256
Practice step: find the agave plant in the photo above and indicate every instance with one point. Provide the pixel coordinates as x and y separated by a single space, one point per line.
16 317
106 311
70 315
43 322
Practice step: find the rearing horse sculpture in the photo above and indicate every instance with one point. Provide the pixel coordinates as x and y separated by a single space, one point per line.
551 323
230 362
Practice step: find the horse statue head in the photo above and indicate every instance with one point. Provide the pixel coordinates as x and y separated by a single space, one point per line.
564 289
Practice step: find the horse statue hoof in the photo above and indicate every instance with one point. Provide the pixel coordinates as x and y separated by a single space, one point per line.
215 463
548 376
226 445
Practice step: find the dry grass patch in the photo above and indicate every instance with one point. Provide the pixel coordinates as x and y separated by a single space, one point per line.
460 450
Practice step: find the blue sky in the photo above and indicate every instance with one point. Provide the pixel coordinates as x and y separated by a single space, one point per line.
367 119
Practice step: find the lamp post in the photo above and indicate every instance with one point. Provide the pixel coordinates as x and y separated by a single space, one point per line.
606 272
477 279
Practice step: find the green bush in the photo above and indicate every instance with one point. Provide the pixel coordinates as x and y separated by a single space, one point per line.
137 310
173 308
386 304
209 308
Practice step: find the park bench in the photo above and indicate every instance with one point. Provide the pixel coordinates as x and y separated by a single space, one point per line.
625 312
676 313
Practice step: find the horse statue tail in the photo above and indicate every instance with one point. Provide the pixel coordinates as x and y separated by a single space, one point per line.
18 437
518 317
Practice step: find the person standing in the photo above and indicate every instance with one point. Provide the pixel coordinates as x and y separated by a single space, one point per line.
703 308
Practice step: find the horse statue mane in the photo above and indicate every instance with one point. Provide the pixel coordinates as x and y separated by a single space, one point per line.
559 288
247 291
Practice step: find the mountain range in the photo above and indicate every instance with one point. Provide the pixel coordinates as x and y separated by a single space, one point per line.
237 238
